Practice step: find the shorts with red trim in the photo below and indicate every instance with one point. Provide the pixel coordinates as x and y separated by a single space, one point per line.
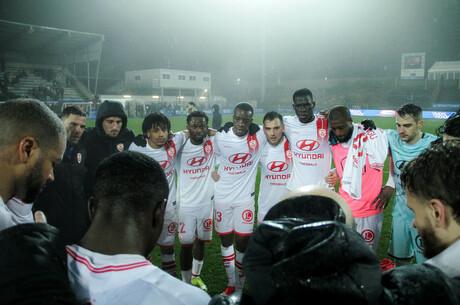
168 233
234 217
195 222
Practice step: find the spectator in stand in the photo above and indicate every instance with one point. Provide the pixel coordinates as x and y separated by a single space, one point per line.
191 107
61 93
216 117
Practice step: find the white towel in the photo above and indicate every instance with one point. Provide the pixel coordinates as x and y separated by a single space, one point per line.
373 143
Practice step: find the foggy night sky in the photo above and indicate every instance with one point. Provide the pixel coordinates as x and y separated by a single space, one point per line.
302 39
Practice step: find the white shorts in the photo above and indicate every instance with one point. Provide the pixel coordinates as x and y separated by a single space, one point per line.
168 233
232 217
195 222
370 228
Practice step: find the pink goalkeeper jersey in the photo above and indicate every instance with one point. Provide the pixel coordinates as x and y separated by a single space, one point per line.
370 187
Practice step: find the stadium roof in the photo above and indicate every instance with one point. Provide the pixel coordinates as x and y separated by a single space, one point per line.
20 37
445 70
445 66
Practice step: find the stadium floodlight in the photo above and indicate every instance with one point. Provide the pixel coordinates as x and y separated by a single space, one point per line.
126 96
155 96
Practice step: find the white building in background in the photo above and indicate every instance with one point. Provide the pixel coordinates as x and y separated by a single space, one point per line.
445 70
170 86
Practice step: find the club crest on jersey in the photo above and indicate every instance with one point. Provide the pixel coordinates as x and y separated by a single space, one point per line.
171 152
289 154
207 148
79 157
120 147
252 144
322 132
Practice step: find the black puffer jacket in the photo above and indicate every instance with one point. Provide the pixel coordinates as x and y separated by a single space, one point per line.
99 145
420 284
289 261
33 268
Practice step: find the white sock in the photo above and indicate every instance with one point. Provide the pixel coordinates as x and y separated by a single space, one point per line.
169 264
186 276
228 256
196 268
240 276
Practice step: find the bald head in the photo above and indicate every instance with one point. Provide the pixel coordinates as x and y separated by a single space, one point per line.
339 112
316 190
29 118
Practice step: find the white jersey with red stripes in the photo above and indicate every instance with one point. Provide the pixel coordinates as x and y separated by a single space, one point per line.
311 151
275 172
195 186
166 156
99 279
238 158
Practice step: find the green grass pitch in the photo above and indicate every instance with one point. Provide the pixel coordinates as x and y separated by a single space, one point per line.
213 273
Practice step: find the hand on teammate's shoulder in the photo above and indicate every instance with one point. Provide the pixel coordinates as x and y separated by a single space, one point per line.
368 125
226 127
140 140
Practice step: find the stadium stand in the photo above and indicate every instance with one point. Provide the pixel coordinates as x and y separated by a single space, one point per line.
36 62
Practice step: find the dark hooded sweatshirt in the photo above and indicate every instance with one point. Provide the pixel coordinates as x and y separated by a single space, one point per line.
99 145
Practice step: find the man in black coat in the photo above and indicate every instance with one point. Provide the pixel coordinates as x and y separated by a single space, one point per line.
216 117
108 137
64 200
